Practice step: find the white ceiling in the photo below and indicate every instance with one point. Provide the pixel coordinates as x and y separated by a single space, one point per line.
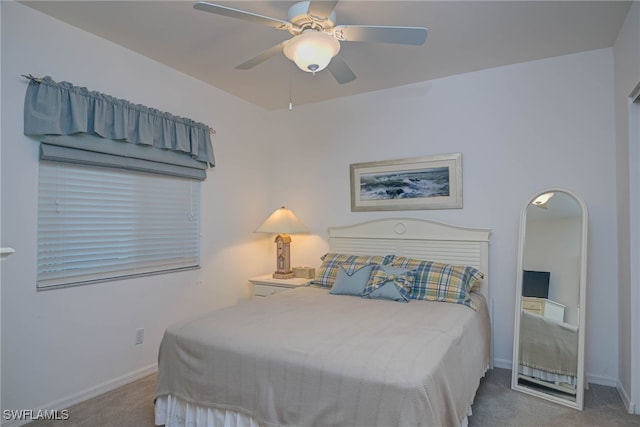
463 36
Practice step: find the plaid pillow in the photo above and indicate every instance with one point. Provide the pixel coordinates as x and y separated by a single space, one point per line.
386 282
436 281
326 274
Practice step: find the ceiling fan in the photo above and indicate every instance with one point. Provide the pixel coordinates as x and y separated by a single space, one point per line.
316 39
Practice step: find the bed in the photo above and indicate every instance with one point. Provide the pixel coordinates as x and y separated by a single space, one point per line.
307 357
548 352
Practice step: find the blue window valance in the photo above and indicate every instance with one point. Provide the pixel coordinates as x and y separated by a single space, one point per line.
52 108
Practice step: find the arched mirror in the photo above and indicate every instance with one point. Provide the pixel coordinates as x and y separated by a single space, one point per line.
548 349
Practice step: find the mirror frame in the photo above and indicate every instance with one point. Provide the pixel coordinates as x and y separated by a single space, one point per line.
580 386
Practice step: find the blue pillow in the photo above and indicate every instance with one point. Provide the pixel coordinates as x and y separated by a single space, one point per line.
392 283
351 279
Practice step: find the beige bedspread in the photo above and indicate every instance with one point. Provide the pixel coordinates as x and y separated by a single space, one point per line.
548 345
309 358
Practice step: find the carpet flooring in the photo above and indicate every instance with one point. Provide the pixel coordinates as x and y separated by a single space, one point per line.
496 405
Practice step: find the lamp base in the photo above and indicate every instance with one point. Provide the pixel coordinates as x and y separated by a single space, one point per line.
285 275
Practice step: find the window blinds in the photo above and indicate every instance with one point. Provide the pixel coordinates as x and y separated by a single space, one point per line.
98 223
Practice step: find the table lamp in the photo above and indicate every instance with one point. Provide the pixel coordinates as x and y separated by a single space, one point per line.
282 222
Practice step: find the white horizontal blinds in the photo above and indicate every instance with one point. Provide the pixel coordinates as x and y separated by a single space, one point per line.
99 223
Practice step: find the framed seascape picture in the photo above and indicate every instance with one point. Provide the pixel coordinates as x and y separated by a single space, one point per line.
431 182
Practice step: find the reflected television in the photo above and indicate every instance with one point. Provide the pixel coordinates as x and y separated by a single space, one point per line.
535 283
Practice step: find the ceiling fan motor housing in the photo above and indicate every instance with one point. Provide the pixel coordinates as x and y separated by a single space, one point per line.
298 16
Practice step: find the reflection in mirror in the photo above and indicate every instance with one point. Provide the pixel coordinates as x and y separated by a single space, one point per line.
549 324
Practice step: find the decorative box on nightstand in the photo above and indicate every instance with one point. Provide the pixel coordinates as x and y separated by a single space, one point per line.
264 286
304 272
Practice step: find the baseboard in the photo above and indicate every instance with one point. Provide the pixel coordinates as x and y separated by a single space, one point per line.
625 398
97 390
598 379
502 363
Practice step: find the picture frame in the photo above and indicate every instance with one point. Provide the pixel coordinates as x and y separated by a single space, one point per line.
428 182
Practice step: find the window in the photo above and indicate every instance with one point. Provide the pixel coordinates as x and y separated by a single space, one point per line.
119 185
99 223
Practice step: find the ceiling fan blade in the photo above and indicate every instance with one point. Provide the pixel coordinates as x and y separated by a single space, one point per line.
247 65
320 10
340 70
368 33
242 14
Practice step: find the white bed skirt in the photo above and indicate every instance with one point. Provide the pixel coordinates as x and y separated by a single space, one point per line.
548 376
174 412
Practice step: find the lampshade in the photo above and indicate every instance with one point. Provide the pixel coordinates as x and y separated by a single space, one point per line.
312 50
282 221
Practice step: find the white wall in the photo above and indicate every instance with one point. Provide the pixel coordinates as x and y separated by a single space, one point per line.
627 76
65 344
520 129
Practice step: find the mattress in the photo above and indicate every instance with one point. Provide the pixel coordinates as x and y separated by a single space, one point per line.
308 358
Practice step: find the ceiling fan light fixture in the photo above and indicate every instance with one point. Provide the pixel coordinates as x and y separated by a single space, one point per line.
312 50
542 200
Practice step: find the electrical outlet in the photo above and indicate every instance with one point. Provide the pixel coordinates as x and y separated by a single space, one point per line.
139 336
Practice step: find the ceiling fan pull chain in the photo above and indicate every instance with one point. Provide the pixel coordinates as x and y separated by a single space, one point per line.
290 103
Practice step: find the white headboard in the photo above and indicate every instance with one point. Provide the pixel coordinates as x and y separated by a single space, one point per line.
417 238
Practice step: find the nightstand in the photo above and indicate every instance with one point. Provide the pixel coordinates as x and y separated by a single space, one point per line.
264 286
544 307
